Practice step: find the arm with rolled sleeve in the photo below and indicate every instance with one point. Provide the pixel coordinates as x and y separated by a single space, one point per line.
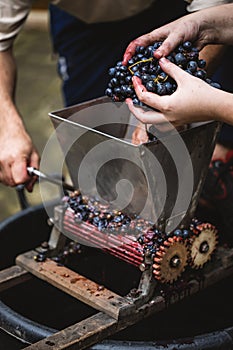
213 54
13 14
16 148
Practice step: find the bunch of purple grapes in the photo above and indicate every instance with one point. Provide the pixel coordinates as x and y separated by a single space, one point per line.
145 66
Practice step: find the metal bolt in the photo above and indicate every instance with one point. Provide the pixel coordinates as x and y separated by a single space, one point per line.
142 267
175 261
204 247
50 221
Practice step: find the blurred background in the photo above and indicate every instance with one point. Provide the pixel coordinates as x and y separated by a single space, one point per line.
38 93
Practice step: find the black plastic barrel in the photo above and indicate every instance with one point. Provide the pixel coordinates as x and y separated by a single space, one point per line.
34 309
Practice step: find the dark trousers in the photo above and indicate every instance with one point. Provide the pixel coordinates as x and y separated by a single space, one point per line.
224 75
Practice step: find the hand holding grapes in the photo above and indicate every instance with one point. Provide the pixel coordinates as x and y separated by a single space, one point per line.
210 26
171 35
189 103
177 95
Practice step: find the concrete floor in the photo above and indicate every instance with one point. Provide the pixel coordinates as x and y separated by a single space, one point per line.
38 93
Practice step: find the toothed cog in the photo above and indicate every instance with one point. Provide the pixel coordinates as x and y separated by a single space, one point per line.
170 260
203 245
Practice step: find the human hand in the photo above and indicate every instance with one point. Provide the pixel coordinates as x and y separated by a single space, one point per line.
139 135
193 101
186 28
16 154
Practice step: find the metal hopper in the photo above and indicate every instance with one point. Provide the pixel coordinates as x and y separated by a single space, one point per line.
160 180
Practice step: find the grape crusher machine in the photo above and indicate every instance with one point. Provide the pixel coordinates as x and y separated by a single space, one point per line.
150 222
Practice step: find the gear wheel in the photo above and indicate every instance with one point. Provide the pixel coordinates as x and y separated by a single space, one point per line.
203 245
170 260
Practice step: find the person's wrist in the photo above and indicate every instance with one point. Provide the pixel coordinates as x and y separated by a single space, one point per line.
217 107
224 106
205 27
9 116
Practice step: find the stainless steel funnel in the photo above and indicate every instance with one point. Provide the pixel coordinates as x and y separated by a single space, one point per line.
160 180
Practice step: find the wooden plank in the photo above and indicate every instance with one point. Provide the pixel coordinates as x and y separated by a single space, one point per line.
80 335
12 276
96 328
77 285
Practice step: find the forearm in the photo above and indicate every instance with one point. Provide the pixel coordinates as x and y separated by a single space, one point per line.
16 148
8 111
216 24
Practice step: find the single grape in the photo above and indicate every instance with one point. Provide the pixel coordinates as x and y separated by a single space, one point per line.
201 73
151 86
216 85
180 59
201 63
112 71
109 92
192 66
161 89
187 45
